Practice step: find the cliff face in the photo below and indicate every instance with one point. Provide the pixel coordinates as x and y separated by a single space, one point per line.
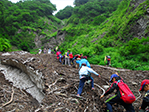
139 27
41 83
49 43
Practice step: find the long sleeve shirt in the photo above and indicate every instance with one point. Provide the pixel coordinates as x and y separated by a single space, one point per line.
113 87
145 102
86 71
83 61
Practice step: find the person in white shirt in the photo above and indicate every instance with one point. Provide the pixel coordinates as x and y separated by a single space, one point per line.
84 75
40 50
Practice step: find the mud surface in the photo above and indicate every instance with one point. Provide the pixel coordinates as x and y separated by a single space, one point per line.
60 87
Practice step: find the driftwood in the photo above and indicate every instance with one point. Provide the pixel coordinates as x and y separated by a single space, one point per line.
100 88
60 79
63 87
58 109
10 99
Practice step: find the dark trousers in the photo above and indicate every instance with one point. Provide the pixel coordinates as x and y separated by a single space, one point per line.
81 83
60 58
71 61
108 62
116 99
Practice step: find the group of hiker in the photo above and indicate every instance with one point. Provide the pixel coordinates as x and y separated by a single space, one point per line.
68 58
44 51
123 95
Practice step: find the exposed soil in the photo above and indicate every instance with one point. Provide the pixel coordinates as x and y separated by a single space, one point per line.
61 84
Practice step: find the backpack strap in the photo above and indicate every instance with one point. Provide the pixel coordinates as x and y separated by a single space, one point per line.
117 81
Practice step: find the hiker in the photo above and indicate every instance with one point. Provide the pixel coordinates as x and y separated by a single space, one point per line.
67 60
59 56
83 60
56 49
85 75
49 51
75 57
117 97
80 56
144 87
45 50
71 58
108 59
40 51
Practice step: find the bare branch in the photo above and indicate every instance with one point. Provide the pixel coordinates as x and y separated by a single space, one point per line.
10 99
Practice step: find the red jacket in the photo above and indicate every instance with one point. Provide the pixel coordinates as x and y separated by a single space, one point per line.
57 54
70 56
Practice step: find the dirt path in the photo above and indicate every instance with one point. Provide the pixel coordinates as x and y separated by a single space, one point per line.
61 84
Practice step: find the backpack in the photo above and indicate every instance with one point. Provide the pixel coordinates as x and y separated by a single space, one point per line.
126 94
108 57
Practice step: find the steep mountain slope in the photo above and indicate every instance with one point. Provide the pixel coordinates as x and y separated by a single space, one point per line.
118 36
58 83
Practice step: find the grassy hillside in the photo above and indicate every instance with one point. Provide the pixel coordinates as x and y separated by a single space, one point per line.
113 37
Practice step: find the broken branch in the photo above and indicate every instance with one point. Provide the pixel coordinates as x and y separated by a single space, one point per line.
10 99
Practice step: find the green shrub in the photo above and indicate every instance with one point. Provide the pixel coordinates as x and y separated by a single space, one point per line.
94 59
129 64
4 45
98 49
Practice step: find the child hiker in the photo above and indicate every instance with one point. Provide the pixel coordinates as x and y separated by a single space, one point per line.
117 97
145 87
84 74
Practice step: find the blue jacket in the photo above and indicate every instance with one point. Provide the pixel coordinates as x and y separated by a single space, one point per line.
83 61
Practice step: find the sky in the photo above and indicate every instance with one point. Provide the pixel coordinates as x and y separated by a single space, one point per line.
60 4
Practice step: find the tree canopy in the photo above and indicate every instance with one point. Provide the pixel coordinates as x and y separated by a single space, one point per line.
21 15
65 13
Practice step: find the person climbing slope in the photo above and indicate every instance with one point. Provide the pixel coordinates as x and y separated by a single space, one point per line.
67 60
85 75
59 56
144 87
83 60
117 97
71 58
108 59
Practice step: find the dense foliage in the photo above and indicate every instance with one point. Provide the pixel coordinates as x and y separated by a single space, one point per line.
95 28
113 36
65 13
19 21
80 2
94 11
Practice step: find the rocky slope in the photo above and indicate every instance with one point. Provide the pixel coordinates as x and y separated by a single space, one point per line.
39 83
